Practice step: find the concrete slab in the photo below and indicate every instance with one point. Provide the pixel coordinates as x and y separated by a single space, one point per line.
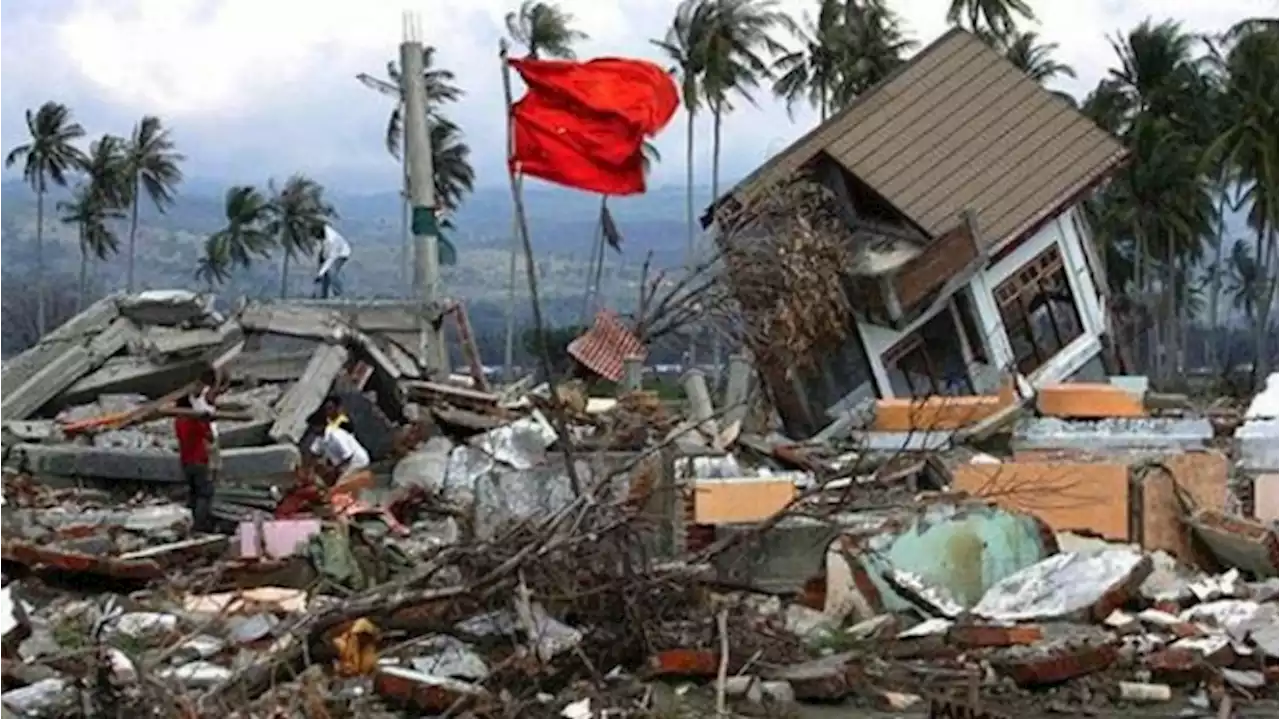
154 466
1113 434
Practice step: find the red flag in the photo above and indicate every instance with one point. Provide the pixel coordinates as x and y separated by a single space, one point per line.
639 92
555 145
583 124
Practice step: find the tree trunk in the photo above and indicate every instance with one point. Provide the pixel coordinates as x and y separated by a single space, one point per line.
84 273
716 345
689 220
1265 297
41 289
284 276
133 237
1212 345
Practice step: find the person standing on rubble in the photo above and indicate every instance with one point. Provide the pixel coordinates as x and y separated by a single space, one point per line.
347 459
334 253
205 401
195 437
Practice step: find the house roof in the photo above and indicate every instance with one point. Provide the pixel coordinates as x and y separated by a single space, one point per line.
959 127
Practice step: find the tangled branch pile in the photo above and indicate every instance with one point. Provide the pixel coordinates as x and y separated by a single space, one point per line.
783 253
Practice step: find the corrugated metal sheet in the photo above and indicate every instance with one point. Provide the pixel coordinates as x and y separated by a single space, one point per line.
957 128
603 348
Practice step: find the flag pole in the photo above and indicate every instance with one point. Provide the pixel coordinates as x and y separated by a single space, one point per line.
597 245
598 269
508 355
522 227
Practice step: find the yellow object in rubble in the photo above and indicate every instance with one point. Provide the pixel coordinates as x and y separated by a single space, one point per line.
357 648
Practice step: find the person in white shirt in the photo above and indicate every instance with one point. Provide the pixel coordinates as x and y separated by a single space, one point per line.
339 448
334 253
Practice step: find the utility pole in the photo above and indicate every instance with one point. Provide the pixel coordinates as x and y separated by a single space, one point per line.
422 197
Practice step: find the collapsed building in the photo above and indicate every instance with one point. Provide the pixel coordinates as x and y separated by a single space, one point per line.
961 181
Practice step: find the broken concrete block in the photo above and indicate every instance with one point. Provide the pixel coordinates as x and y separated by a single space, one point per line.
166 307
241 463
158 343
293 320
1113 434
65 368
132 375
424 467
53 697
308 393
1067 586
75 331
521 444
15 626
1237 541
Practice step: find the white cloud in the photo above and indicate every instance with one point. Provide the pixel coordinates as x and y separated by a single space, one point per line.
284 69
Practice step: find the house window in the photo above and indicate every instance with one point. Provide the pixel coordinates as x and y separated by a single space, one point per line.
929 361
837 374
1039 310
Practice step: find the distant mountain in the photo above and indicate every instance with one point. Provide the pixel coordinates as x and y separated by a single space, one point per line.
562 225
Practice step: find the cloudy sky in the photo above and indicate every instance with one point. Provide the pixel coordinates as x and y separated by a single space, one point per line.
254 88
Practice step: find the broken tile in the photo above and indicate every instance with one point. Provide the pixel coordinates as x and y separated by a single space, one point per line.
1067 586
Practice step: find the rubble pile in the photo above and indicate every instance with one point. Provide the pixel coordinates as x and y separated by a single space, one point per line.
538 551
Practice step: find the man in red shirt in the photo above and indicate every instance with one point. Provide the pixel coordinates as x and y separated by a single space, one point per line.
194 438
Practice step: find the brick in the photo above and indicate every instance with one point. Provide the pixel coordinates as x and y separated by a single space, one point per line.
685 663
1176 665
1086 400
938 413
1066 495
1058 664
979 636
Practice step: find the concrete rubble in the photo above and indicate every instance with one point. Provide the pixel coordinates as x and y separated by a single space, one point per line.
540 551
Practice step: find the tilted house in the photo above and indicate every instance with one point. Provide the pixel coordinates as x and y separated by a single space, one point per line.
964 178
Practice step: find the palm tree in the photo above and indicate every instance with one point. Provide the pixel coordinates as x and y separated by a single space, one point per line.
996 16
440 89
1028 54
1247 149
48 156
451 158
248 231
152 165
737 42
1243 278
90 216
812 71
875 43
685 45
96 202
543 29
214 266
291 214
